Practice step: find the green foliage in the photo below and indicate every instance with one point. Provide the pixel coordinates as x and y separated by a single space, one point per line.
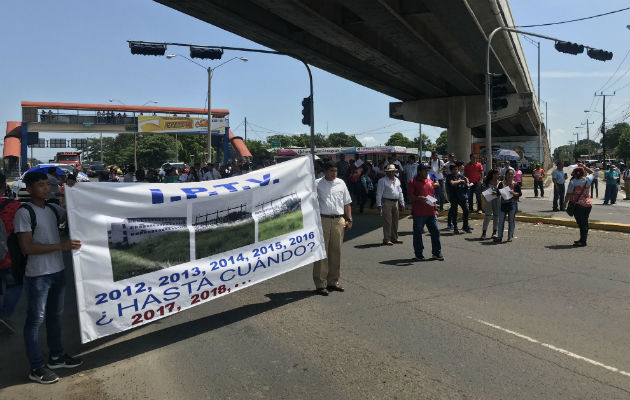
441 143
150 255
623 149
584 147
279 225
398 139
215 241
340 139
152 150
563 153
427 144
613 134
258 149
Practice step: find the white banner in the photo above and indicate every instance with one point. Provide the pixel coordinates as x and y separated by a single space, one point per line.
151 250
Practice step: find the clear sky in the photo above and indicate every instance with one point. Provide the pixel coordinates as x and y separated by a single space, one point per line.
76 51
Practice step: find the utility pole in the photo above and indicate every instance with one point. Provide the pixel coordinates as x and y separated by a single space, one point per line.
588 137
101 147
420 133
245 130
577 140
604 125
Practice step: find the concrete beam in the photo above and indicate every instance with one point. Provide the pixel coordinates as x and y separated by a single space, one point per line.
435 112
80 128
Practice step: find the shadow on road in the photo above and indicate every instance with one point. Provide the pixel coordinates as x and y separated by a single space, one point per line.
368 245
402 262
477 239
560 247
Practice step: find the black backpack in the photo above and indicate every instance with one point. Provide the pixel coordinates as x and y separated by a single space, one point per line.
18 259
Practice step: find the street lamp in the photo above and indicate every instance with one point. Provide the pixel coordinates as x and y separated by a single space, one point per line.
150 101
210 71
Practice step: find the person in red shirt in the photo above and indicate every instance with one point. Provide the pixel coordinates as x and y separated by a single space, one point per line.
474 172
12 289
424 212
539 176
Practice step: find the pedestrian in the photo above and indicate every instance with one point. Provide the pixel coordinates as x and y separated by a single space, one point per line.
336 218
128 177
420 190
410 169
54 180
366 190
459 184
10 288
578 192
474 171
610 195
518 174
140 175
626 182
389 198
558 177
451 219
595 180
539 177
493 203
445 171
44 278
509 205
342 167
437 169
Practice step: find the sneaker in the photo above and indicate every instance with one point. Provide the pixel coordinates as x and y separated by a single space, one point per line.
438 257
65 361
421 258
494 234
483 235
456 231
451 227
468 229
5 327
43 375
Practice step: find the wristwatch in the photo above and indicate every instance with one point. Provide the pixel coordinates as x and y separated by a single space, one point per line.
348 219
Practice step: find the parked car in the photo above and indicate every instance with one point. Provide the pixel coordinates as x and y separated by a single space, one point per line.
18 189
176 165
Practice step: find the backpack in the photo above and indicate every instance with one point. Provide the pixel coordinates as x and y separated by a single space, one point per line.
18 259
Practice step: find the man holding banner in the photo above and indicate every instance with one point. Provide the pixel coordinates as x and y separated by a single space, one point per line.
336 216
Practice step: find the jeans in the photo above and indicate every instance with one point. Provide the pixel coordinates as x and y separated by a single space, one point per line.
11 292
511 221
538 184
611 193
431 222
452 212
440 194
594 186
476 190
581 217
493 208
45 295
558 196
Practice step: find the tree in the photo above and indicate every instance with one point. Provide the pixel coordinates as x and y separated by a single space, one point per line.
613 134
585 147
623 149
340 139
258 149
441 143
398 139
563 153
427 144
152 150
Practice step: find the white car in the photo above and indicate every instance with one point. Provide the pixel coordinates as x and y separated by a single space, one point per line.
18 187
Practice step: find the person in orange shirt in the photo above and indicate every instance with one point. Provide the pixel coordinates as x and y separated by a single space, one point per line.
539 177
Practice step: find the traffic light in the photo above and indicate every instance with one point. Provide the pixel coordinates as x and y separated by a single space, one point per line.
206 52
146 49
601 55
498 91
307 118
569 47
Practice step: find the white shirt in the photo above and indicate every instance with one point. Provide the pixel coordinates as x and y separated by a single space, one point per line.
358 162
436 168
332 196
410 171
389 189
183 177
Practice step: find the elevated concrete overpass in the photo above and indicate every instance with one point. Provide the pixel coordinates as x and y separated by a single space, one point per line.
430 54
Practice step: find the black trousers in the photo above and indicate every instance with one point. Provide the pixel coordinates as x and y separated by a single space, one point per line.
581 217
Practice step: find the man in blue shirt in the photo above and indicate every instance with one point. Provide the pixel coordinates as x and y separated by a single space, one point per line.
559 177
611 185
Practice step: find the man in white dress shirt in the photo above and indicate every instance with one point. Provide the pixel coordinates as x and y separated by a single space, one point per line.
388 196
211 174
336 216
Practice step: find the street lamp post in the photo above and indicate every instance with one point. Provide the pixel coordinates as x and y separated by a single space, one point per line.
210 71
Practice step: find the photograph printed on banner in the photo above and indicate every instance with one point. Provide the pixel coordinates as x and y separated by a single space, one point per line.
278 216
222 225
139 246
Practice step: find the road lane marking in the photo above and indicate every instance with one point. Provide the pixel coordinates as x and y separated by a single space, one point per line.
554 348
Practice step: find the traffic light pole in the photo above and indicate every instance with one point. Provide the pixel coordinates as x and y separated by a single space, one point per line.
310 77
489 83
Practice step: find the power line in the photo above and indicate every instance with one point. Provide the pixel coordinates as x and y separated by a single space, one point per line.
573 20
615 73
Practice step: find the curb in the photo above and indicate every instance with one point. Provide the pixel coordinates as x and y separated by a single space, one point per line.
604 226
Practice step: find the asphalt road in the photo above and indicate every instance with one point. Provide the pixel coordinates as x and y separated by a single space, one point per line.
532 319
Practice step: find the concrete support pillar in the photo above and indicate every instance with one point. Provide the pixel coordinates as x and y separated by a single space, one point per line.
459 138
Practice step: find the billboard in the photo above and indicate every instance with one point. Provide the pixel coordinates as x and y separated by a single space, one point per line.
164 124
